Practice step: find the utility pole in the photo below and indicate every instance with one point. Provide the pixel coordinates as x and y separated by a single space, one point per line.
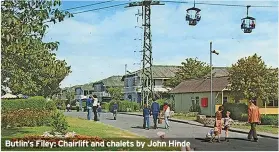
147 85
211 95
125 69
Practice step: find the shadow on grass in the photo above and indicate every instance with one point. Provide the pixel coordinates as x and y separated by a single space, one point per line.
13 131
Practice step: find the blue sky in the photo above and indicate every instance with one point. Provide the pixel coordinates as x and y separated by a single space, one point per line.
98 44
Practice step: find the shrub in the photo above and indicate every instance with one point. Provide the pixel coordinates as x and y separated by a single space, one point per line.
105 106
269 119
34 111
25 117
38 103
195 108
58 122
237 110
50 105
125 106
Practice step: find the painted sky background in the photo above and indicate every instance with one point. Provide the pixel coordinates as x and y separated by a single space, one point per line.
98 44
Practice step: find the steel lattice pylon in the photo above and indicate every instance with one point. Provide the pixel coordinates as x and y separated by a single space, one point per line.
147 85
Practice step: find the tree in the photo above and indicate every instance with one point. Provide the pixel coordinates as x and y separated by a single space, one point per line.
116 93
191 68
27 61
251 78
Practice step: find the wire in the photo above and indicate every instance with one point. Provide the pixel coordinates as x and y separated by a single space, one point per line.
87 5
101 8
216 4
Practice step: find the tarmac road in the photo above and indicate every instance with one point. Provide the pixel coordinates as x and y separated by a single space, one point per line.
194 134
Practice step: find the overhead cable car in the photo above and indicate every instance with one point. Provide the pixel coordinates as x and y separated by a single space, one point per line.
248 23
193 15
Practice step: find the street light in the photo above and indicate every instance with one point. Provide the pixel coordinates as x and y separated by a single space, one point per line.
211 52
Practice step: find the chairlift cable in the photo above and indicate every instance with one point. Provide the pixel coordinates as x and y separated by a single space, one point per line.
87 5
101 8
216 4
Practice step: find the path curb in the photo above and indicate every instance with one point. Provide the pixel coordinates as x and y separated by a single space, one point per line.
202 125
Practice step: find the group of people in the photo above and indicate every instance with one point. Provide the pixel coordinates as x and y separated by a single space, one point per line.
251 25
93 105
155 111
253 118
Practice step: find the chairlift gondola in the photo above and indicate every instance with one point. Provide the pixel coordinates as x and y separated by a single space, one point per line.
193 15
248 23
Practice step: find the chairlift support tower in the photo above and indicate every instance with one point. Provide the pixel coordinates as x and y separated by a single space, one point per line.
147 85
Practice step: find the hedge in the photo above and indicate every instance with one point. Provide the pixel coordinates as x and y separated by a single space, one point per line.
25 118
38 103
124 106
34 111
238 110
269 120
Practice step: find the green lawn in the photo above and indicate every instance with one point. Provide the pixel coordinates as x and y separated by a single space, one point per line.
260 128
82 127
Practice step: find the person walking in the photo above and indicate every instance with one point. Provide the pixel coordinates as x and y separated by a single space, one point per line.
166 110
114 110
254 117
68 107
89 105
146 113
95 106
155 110
218 121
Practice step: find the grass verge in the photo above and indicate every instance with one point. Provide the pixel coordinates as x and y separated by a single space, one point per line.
82 127
260 128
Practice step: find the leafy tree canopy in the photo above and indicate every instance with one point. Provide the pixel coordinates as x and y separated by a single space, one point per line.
251 78
116 93
28 62
191 68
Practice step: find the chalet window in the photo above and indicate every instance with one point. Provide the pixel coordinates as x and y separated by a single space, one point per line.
272 103
126 82
225 99
197 100
134 81
193 100
85 92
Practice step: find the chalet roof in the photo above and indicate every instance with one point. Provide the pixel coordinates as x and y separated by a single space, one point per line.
168 71
159 71
201 85
113 81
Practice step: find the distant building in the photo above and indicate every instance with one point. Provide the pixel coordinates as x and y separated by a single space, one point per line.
132 83
83 92
161 73
101 87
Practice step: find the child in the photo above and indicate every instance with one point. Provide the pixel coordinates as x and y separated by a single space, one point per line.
227 125
212 134
146 113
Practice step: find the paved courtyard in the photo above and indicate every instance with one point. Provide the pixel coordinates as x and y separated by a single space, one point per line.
194 134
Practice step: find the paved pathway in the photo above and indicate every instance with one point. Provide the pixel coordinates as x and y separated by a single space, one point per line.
192 133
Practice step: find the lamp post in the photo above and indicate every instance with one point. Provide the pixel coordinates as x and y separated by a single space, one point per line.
215 52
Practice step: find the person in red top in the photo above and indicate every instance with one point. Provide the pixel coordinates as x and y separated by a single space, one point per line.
254 117
166 110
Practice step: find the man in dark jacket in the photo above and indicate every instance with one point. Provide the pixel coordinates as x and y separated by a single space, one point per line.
146 113
89 104
114 110
155 110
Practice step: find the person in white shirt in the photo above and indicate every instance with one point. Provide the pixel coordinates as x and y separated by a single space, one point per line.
95 106
166 109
